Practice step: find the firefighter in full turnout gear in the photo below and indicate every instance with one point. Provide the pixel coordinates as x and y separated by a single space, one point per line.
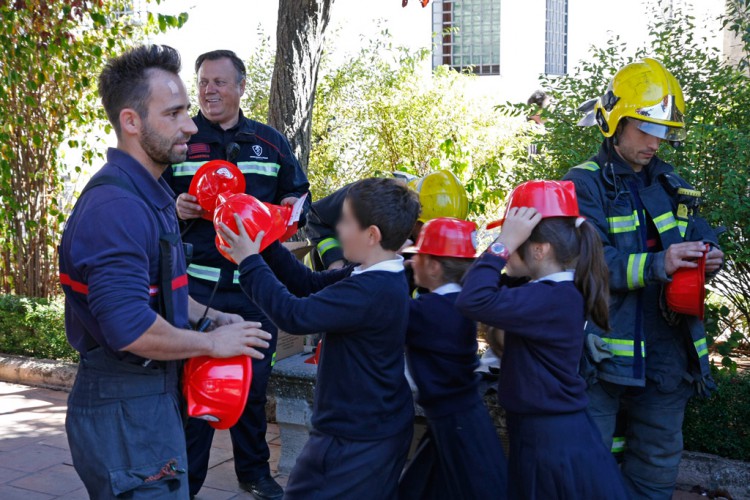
653 359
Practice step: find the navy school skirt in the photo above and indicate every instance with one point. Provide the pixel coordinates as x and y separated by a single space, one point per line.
560 457
461 457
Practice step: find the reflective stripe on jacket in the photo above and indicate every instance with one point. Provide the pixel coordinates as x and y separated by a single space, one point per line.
271 171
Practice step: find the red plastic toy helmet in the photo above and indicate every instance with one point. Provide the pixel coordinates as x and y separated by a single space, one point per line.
550 198
686 293
212 179
256 217
447 237
216 389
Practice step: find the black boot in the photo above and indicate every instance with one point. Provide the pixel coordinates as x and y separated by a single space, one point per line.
264 488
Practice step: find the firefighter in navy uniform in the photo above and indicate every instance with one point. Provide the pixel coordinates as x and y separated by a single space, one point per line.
272 174
127 309
653 360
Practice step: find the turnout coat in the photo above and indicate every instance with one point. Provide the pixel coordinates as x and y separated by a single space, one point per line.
647 341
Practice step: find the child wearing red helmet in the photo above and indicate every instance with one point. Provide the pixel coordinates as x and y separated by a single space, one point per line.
462 456
556 450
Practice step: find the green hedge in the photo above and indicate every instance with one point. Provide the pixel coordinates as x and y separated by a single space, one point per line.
34 327
720 424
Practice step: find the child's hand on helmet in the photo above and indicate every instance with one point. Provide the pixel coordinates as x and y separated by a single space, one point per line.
518 225
239 246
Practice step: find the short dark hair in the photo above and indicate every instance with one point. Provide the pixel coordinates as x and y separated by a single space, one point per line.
124 81
387 204
215 55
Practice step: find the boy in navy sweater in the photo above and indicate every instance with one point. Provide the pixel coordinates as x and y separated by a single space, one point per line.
463 458
363 409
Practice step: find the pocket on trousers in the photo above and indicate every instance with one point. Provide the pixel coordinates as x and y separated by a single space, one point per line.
164 475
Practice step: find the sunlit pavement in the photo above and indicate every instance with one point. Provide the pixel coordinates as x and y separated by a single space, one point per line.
35 460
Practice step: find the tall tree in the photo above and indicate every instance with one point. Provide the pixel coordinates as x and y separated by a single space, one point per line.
299 45
50 54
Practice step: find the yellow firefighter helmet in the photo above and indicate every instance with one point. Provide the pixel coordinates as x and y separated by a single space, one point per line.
646 91
441 195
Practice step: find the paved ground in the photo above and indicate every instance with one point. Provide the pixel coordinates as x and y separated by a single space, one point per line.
35 461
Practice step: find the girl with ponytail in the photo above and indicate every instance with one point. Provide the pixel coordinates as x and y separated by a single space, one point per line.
556 450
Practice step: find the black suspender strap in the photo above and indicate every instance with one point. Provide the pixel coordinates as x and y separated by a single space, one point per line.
166 241
166 302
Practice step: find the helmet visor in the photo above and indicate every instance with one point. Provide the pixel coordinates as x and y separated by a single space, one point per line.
670 134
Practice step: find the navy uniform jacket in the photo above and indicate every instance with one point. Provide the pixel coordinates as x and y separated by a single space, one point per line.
109 259
272 173
544 333
641 344
442 353
361 392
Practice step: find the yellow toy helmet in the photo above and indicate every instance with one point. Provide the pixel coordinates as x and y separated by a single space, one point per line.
646 91
441 195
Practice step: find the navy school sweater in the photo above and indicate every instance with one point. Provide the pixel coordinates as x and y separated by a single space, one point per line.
544 336
361 391
442 354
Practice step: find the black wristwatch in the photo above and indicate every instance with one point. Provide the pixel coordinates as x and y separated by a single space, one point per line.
499 250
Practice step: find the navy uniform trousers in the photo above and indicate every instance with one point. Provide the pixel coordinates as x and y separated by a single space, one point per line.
251 453
125 429
653 433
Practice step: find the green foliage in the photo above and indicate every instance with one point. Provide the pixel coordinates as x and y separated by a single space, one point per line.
34 327
258 82
737 22
719 425
715 157
50 55
383 110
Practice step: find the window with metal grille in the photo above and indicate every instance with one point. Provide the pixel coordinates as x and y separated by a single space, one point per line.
556 38
467 35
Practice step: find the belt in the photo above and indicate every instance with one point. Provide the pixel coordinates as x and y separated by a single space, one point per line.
103 376
213 274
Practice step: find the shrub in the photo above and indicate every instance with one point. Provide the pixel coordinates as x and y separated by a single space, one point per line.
719 425
34 327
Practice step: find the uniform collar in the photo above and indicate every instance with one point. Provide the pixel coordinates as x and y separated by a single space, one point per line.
447 288
392 266
558 277
158 193
205 125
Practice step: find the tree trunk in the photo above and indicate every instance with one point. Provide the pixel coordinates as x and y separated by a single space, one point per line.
299 45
